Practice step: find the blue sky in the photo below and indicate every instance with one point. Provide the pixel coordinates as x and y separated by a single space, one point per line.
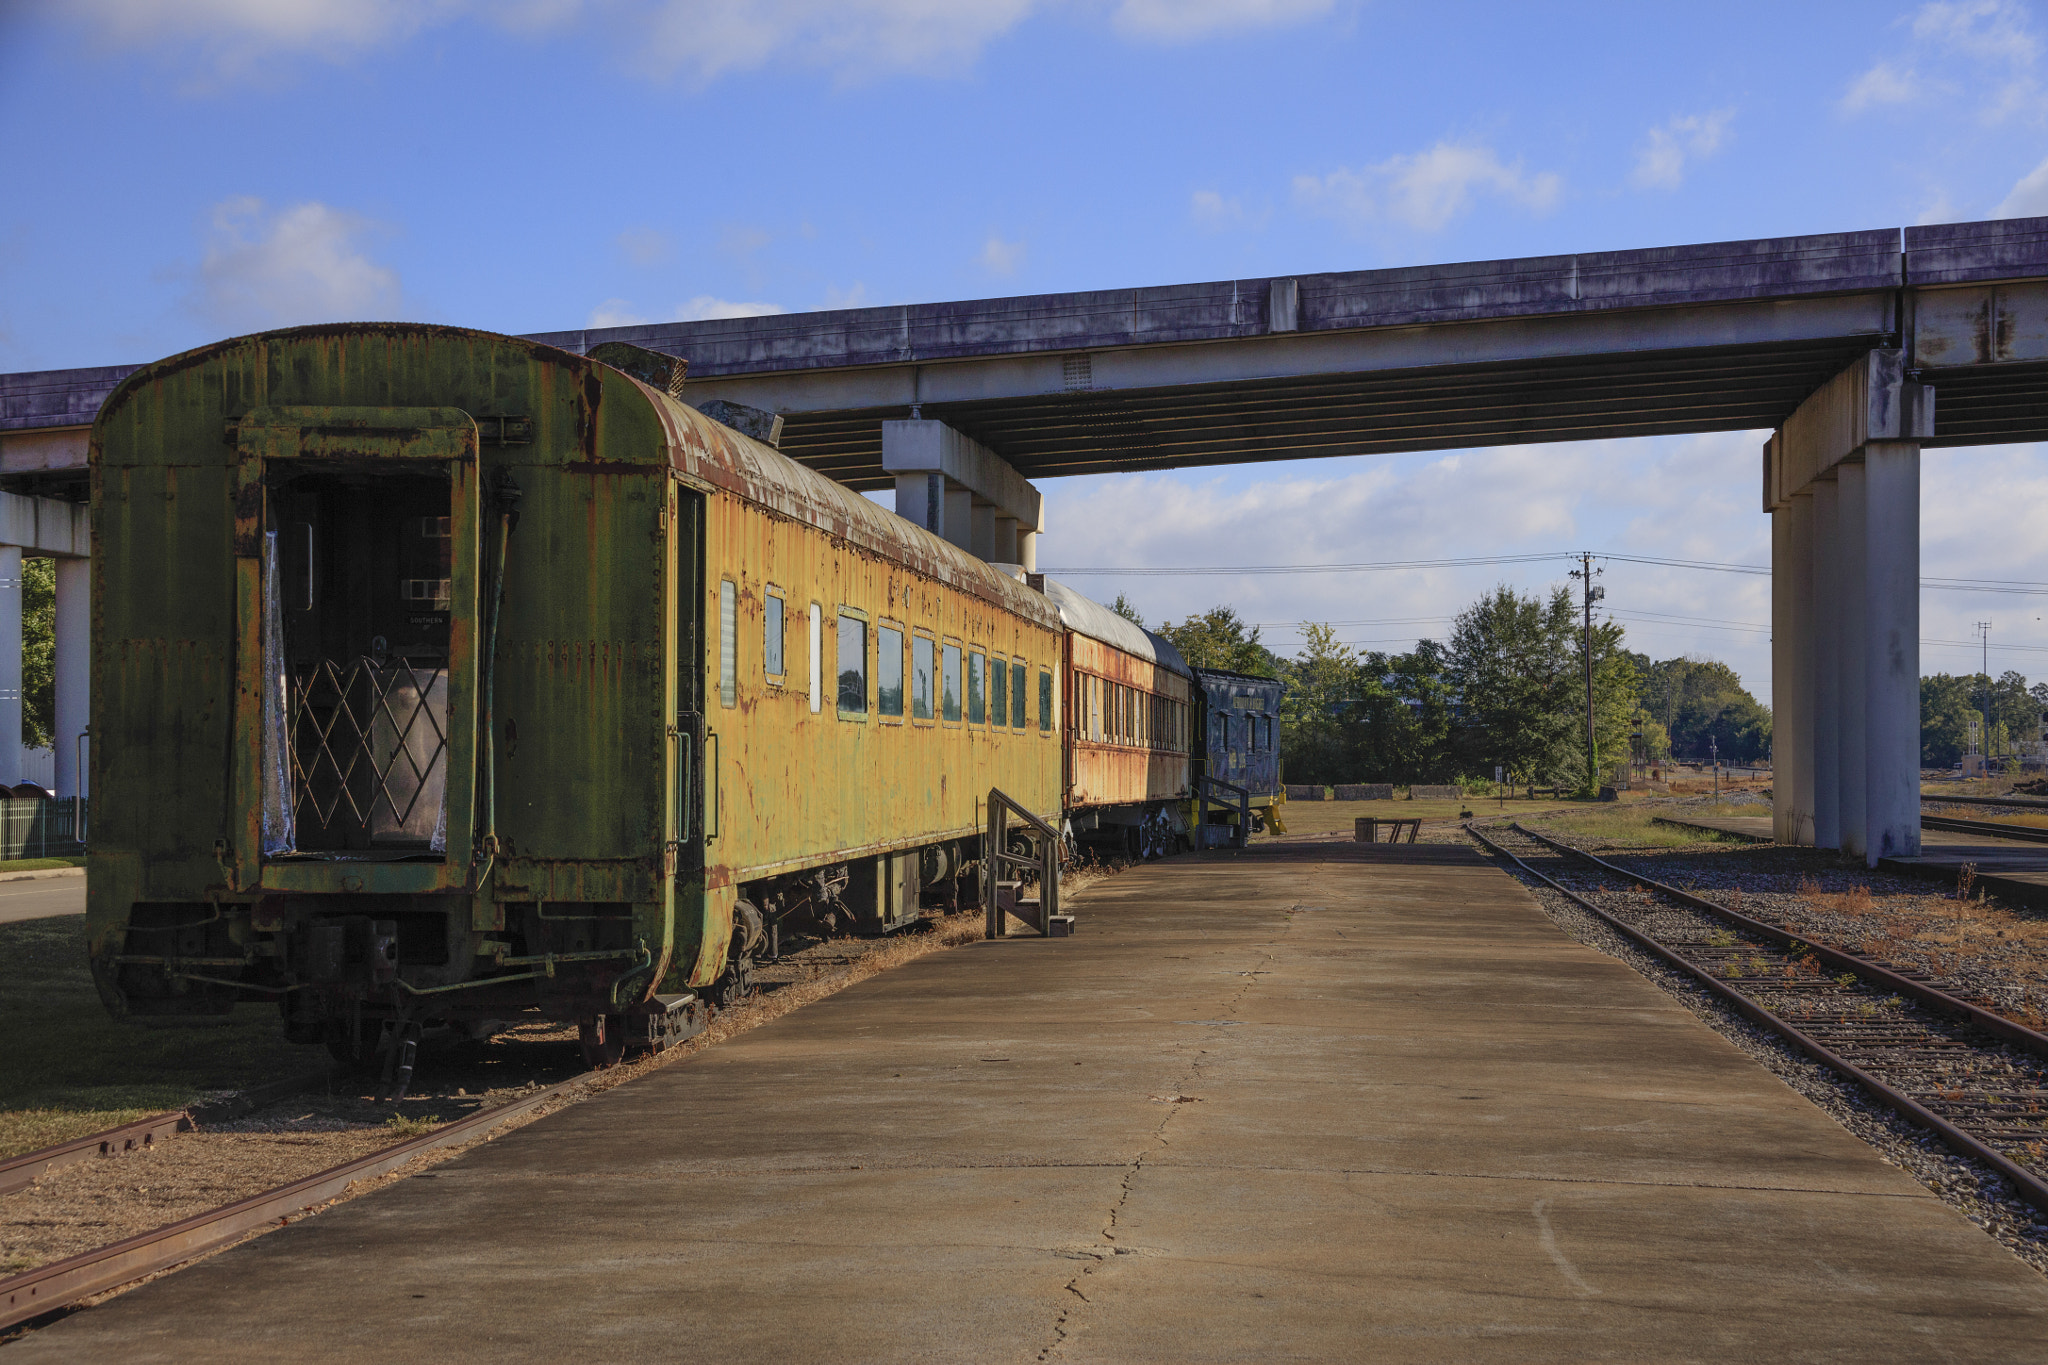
180 172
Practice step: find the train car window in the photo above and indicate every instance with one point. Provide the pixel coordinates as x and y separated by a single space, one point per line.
853 665
977 688
889 671
817 657
949 685
772 612
920 677
1018 673
728 643
1044 701
998 692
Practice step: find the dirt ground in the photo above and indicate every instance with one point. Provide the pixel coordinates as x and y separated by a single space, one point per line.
96 1202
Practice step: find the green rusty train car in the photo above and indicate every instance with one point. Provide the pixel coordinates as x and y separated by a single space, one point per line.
441 677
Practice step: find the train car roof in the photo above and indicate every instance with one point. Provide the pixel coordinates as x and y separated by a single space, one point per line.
716 454
1235 676
706 453
1085 616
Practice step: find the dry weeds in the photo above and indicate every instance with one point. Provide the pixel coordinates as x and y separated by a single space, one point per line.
95 1203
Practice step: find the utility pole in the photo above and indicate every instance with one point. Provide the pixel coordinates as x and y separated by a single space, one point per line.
1984 634
1586 573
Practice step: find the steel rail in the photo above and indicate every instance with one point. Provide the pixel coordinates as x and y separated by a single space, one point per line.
1990 829
2016 802
62 1283
1995 1024
19 1172
2029 1186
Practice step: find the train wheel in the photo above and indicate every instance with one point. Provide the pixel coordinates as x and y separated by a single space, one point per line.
355 1048
736 987
604 1039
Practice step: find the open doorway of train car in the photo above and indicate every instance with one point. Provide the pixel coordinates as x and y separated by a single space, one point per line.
359 570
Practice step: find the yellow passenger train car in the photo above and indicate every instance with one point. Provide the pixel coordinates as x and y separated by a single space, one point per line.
443 677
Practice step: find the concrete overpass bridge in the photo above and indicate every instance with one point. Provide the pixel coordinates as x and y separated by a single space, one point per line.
1855 349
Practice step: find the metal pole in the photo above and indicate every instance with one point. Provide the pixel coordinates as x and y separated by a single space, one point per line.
1592 753
1984 634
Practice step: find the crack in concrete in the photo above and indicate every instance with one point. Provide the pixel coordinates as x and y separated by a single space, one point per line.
1158 1143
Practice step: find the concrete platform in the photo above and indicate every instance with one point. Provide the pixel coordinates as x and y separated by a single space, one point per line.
40 897
1324 1103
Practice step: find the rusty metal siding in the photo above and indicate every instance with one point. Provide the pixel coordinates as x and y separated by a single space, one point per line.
1229 704
590 656
1109 771
801 788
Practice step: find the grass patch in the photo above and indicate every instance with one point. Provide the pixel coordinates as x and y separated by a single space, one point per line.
399 1126
38 864
68 1069
1634 826
1336 817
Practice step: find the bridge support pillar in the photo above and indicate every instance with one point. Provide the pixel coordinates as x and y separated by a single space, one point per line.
1842 485
11 747
74 672
961 491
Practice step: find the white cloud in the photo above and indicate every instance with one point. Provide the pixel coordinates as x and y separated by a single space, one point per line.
1212 210
858 39
645 246
2029 198
700 40
615 313
999 257
622 313
1939 209
1661 162
1669 497
1883 84
1427 190
300 264
705 307
1987 47
742 239
1178 21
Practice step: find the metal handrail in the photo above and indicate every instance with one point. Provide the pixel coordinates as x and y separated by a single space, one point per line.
1244 810
996 855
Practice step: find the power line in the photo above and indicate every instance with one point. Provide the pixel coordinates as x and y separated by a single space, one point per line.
2016 587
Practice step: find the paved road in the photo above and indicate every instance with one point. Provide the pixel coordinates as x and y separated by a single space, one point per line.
41 897
1328 1104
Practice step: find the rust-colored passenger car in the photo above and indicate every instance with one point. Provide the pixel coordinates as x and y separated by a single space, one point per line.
445 677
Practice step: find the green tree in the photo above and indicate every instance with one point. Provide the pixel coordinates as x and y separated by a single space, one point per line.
1514 667
1948 702
1219 639
38 652
1122 607
1518 664
1400 727
1946 707
1696 700
2015 714
1321 682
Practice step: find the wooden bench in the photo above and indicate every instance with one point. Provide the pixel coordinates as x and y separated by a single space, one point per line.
1366 829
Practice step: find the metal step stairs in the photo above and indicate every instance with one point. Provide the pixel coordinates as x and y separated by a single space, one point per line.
1031 909
1002 887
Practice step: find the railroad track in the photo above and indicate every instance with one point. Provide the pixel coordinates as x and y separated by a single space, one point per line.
63 1283
1976 1079
1990 829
